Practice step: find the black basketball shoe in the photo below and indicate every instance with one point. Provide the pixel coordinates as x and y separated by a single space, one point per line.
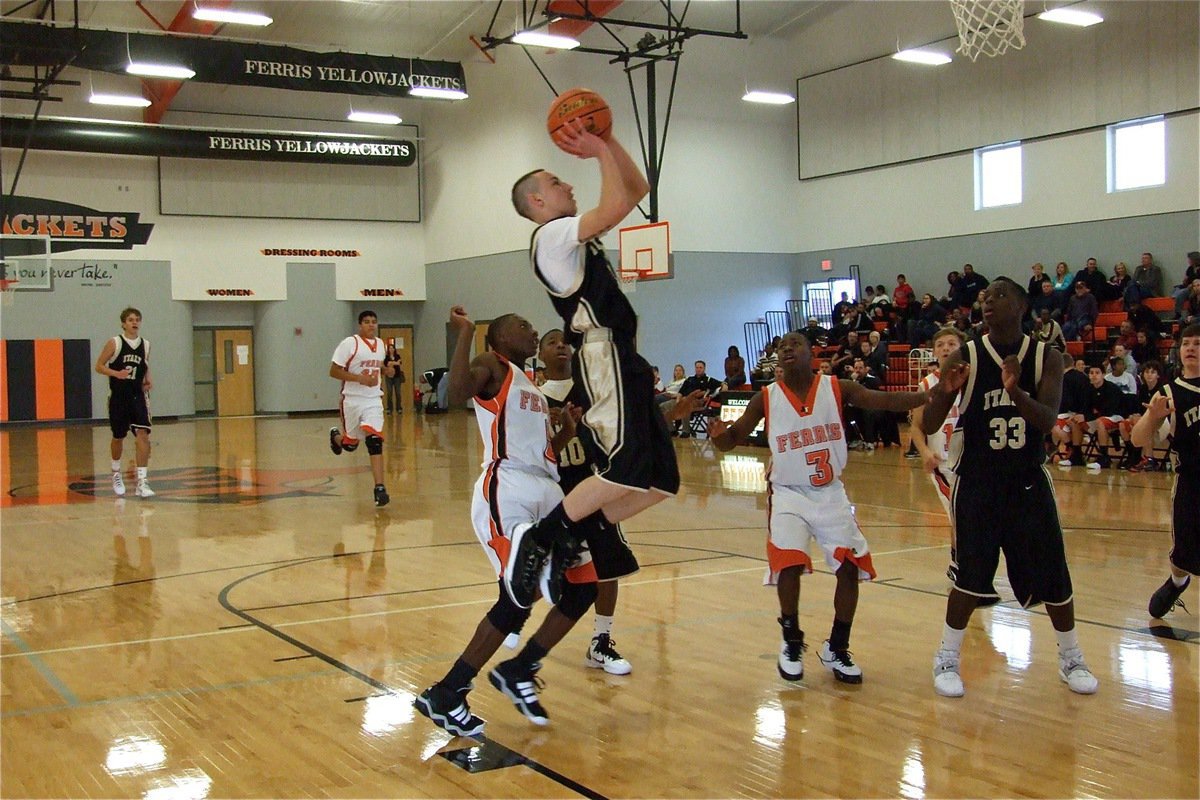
449 710
381 495
334 445
1166 597
523 568
520 684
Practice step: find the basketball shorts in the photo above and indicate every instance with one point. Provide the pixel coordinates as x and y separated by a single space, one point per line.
623 428
1185 522
361 416
128 412
943 480
1108 423
610 552
506 496
797 515
1015 513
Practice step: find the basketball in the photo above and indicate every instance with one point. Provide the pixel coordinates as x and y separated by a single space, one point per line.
580 104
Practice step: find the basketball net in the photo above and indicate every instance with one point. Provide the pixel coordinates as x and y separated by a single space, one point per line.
628 281
989 27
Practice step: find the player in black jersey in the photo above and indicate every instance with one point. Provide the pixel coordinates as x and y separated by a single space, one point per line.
634 458
1180 401
1002 499
125 359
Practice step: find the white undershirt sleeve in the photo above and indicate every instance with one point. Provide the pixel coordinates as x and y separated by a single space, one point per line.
559 255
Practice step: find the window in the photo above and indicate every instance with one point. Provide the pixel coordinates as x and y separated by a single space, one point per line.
998 175
1137 154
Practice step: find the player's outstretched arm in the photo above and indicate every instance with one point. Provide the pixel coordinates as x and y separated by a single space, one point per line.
469 379
1040 412
622 184
726 437
1158 410
858 395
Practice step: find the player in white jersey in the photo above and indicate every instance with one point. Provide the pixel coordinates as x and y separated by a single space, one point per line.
519 484
806 498
358 363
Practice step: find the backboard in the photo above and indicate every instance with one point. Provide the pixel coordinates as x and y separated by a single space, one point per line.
646 251
26 260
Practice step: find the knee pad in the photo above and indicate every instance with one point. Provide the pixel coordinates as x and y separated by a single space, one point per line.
576 599
349 447
507 616
374 444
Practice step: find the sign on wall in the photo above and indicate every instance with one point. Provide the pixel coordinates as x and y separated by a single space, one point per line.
73 227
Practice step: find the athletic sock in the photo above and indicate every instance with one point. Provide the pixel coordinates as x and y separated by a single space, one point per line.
839 636
1179 581
141 473
790 624
548 528
1067 640
116 465
952 638
459 676
603 626
531 654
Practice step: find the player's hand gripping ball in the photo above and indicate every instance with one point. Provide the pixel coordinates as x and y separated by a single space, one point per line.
579 104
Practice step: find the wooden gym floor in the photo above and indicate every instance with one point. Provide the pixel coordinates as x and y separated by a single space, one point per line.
258 629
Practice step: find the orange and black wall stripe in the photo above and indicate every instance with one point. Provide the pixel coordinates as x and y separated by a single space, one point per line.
45 379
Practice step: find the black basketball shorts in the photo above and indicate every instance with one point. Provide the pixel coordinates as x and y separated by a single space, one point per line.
1185 522
623 428
125 412
611 554
1013 513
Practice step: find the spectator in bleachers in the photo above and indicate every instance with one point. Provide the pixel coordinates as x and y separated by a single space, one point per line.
961 320
843 359
879 346
1141 459
702 382
904 298
925 323
1118 350
1144 319
947 300
670 391
1035 282
764 370
1191 305
659 386
1046 298
839 308
1147 280
1115 288
1127 336
969 287
1048 331
815 334
856 319
1144 349
1101 417
976 313
1081 310
1063 280
1072 405
877 366
735 368
871 425
1093 276
1117 375
868 296
878 307
1190 274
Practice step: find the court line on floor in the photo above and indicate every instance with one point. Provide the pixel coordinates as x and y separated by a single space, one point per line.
48 674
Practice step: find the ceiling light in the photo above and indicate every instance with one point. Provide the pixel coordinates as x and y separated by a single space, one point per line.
770 98
229 15
930 57
159 71
131 100
539 39
436 93
1071 16
375 117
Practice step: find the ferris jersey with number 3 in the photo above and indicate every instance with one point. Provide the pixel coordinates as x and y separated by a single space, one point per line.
992 437
361 357
515 425
939 440
806 434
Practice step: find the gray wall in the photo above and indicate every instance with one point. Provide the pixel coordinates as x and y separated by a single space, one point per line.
1168 236
86 303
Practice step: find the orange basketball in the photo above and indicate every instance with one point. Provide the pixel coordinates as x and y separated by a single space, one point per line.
581 104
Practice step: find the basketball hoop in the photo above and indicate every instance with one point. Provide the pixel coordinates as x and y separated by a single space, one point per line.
989 27
628 281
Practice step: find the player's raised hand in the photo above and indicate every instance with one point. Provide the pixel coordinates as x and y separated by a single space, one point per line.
1010 373
459 319
576 140
689 404
1160 407
954 377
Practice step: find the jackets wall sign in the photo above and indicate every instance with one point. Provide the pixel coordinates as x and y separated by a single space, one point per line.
73 227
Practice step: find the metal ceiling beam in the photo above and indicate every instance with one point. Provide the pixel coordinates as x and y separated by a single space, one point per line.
159 92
